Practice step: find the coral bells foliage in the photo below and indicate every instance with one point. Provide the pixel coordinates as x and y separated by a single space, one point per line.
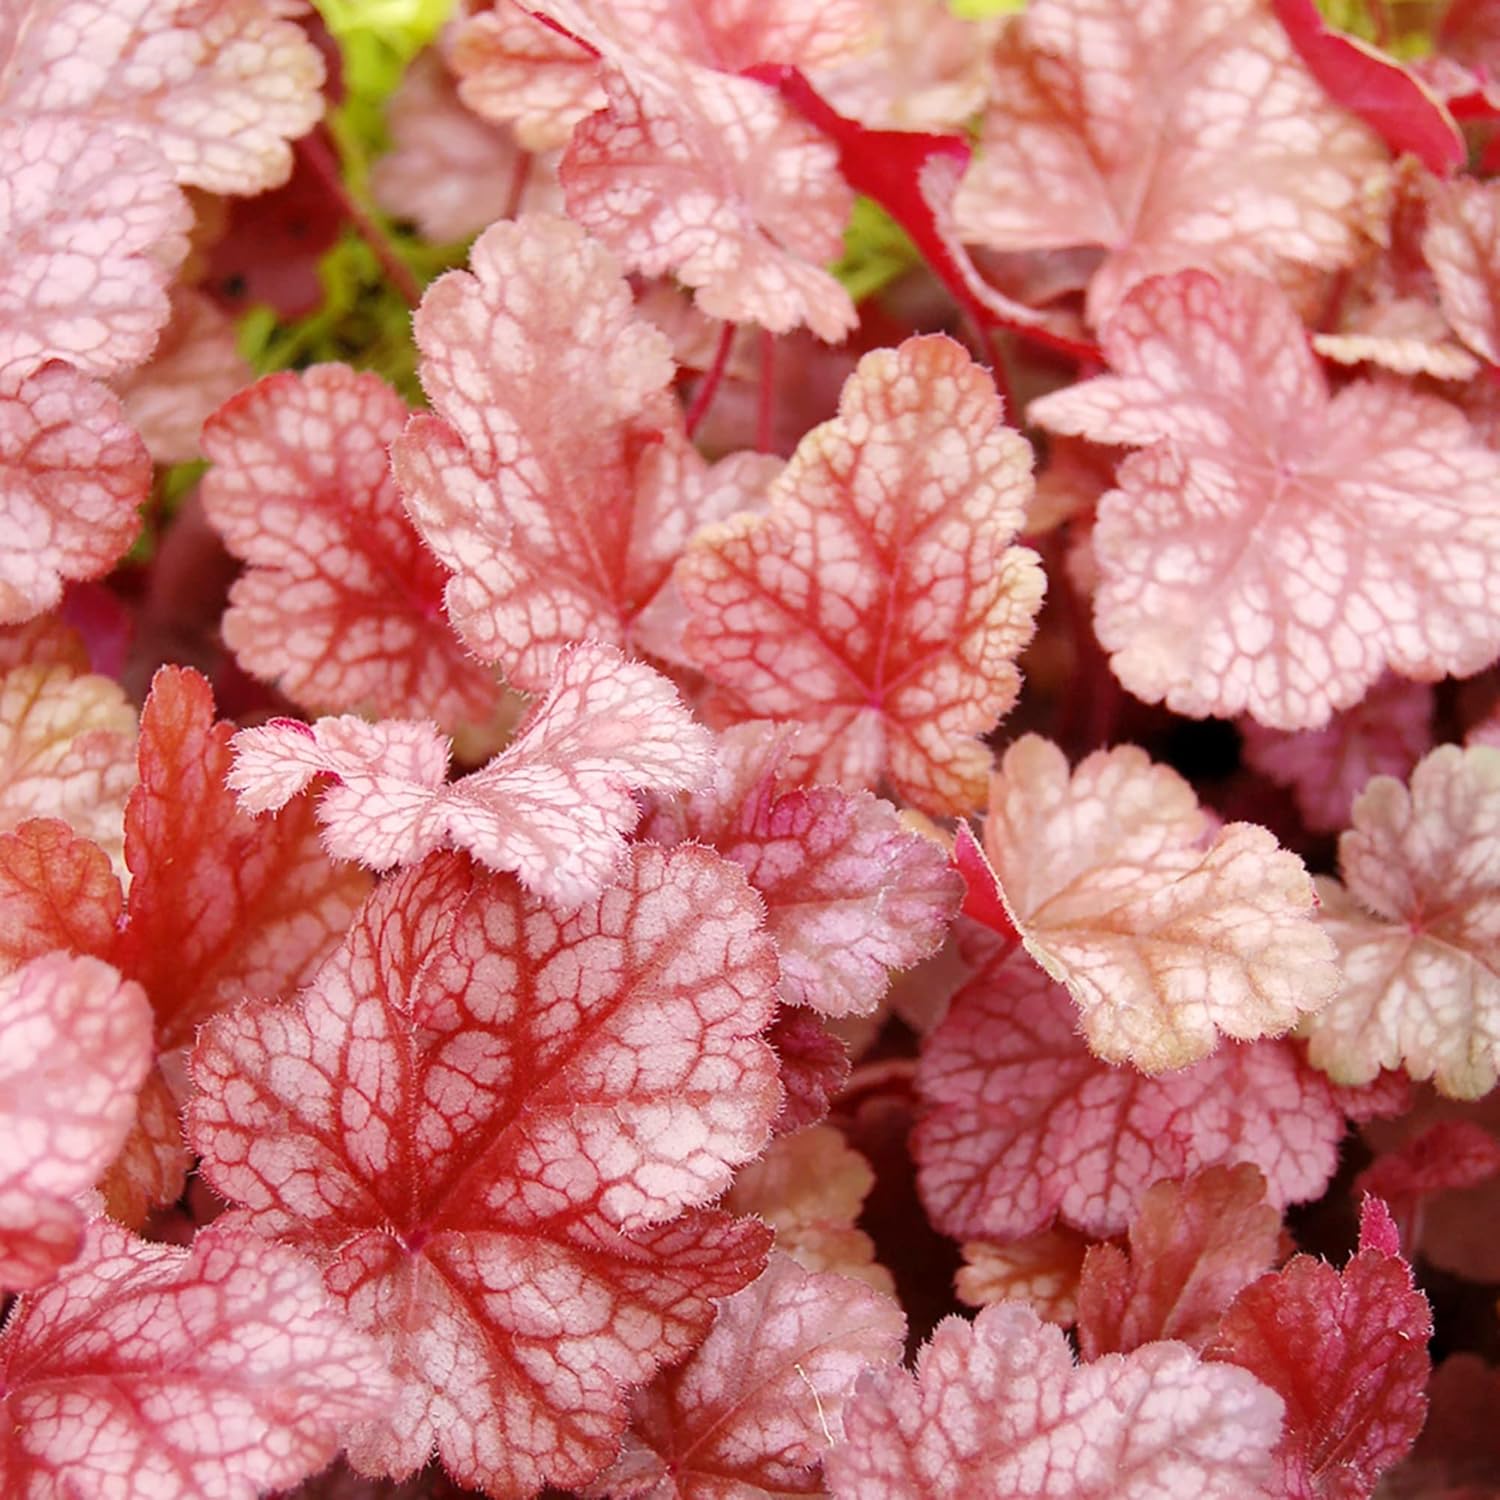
833 644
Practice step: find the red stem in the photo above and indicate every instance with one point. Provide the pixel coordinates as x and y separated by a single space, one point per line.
709 385
766 405
519 177
322 159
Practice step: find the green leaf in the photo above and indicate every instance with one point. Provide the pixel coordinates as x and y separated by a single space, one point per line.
982 10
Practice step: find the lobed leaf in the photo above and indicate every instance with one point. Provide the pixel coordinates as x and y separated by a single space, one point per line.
880 605
1417 924
201 1374
1165 938
341 604
484 1120
752 1411
1347 1352
555 806
998 1407
75 1046
1025 1125
1276 548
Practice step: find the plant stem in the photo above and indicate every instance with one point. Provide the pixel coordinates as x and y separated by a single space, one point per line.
709 385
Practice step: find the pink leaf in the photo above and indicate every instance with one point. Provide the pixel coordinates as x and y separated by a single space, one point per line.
1389 98
67 750
341 605
810 1186
73 474
756 1406
1458 1453
1416 927
1166 933
1221 593
1025 1124
880 604
94 227
555 806
195 367
485 1120
56 891
814 1067
1112 123
448 171
203 1374
1449 1154
998 1408
556 480
75 1044
221 905
850 893
1385 734
218 87
1193 1246
1461 244
1347 1351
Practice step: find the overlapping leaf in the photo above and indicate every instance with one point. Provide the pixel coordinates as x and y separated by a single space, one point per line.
761 1399
57 890
75 1044
1461 245
880 604
217 87
997 1407
1275 548
1041 1270
1347 1352
1024 1124
1417 924
341 605
1115 123
1166 936
485 1121
201 1374
850 893
554 806
1193 1246
555 480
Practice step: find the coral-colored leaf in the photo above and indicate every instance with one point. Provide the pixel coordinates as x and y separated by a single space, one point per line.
1376 543
202 1374
814 1067
706 174
217 87
1113 122
1417 924
1449 1154
1461 245
1389 98
1042 1270
850 893
57 890
75 1044
73 474
1166 936
880 604
998 1408
753 1410
554 806
151 1168
195 367
1385 734
93 226
1025 1124
67 750
1193 1246
556 481
809 1187
222 905
1458 1453
341 605
448 171
481 1119
1347 1351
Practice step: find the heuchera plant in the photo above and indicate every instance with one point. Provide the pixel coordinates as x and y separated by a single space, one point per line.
749 748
